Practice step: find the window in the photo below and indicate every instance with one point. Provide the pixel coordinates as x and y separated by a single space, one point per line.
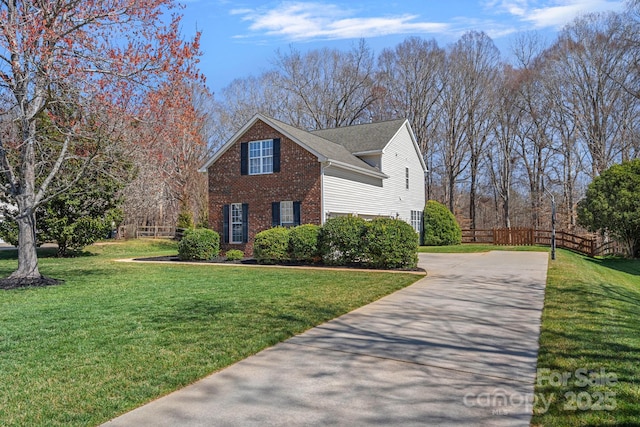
261 157
236 223
286 213
416 221
406 177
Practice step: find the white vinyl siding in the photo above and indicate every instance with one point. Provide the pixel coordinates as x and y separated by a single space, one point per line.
346 192
261 157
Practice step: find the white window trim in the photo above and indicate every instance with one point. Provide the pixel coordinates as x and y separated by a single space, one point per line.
286 210
260 157
235 221
416 221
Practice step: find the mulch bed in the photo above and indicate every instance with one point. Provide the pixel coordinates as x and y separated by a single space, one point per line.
252 261
217 260
15 283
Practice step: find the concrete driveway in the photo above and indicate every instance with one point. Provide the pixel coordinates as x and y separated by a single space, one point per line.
457 348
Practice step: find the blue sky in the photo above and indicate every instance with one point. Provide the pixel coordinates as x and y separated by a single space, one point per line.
240 38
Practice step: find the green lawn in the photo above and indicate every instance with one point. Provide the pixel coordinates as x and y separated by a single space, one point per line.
477 247
591 336
117 335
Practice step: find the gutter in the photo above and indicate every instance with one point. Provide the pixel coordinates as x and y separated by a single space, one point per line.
357 169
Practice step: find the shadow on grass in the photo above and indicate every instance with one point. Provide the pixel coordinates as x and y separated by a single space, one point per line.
629 266
163 244
43 253
599 330
193 310
599 333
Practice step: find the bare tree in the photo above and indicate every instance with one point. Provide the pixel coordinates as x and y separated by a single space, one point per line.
410 76
329 88
589 60
502 154
452 148
173 134
535 136
477 60
569 152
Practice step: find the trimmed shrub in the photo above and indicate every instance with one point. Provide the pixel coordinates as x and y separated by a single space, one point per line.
199 244
391 243
272 246
341 240
303 242
234 255
440 225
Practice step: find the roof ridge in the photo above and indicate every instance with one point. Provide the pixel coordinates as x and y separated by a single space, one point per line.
331 150
359 124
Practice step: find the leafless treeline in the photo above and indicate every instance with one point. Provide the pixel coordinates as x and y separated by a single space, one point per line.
497 137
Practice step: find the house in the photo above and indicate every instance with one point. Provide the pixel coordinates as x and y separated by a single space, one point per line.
271 173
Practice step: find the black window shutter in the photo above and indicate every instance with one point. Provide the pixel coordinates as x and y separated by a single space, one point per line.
296 213
225 224
276 155
245 222
275 214
244 158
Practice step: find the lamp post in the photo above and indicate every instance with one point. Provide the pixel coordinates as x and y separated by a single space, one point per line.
553 225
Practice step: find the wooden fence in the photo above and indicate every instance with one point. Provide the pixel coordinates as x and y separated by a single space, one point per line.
529 237
156 232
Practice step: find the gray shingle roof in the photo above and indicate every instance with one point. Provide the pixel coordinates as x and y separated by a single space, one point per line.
334 145
324 146
362 138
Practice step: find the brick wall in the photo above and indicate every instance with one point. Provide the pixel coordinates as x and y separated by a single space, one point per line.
298 180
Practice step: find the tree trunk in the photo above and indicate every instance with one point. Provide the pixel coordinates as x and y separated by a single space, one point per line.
451 191
472 196
506 212
27 256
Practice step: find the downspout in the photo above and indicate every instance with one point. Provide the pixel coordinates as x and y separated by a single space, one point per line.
322 195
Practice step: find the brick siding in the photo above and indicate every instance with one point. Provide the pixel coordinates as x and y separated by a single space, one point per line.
298 180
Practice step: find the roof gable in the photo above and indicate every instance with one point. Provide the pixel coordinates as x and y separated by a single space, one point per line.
340 146
368 137
323 149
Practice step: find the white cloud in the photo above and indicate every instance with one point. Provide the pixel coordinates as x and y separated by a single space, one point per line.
304 21
561 14
512 7
551 13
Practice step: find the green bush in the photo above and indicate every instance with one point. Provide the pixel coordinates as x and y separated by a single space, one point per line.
74 237
9 231
341 240
185 220
234 255
391 243
272 246
440 225
199 244
303 242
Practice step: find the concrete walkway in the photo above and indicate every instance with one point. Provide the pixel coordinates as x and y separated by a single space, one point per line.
457 348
